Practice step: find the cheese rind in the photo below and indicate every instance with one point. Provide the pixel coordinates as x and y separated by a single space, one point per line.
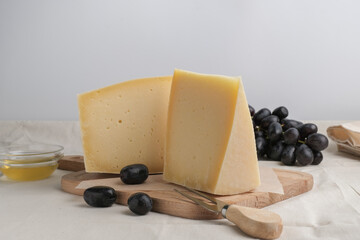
210 144
125 124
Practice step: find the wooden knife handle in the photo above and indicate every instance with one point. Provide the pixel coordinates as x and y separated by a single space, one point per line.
255 222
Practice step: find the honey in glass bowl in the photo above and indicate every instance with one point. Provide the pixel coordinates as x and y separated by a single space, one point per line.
29 162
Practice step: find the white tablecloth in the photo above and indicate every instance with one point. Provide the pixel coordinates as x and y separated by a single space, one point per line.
40 210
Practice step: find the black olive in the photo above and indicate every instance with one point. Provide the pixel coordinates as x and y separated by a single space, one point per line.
134 174
100 196
140 203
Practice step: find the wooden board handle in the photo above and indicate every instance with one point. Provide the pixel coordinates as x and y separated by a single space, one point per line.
72 163
255 222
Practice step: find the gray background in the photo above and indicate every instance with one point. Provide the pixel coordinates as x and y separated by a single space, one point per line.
301 54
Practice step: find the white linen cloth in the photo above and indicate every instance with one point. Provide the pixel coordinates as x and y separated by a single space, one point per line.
40 210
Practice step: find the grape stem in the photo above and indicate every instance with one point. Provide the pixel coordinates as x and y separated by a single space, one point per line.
258 128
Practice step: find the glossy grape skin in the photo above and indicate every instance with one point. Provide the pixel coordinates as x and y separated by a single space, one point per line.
274 150
317 141
295 141
307 129
289 123
318 157
304 155
134 174
252 110
260 115
288 156
274 131
100 196
261 145
140 203
265 123
259 133
291 136
281 112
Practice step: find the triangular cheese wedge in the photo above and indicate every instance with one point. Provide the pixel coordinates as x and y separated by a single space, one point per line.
210 143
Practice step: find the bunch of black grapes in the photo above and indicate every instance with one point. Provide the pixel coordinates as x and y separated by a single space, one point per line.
287 140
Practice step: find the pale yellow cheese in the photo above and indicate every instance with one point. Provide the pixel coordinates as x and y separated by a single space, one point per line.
210 143
125 124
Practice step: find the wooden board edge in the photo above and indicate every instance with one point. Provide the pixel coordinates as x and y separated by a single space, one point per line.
183 209
71 163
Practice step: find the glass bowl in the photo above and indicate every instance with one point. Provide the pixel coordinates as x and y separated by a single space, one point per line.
29 162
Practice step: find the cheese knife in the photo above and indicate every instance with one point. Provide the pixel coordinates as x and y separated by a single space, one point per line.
255 222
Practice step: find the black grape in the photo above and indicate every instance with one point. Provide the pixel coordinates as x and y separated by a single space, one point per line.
274 150
291 136
289 123
252 110
307 129
281 112
304 155
259 133
259 115
288 156
274 131
265 123
261 145
318 157
286 140
317 142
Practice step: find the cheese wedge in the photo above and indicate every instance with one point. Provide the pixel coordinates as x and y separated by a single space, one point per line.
125 124
210 143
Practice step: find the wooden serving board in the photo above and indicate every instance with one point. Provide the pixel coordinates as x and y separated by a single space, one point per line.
166 200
